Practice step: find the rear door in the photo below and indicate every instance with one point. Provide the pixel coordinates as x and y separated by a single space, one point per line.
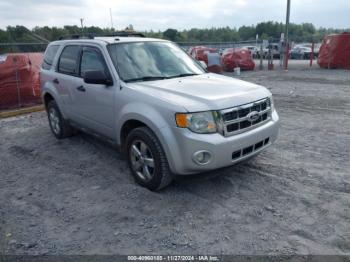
94 103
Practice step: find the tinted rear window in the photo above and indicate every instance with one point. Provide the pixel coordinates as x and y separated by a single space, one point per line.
69 60
49 56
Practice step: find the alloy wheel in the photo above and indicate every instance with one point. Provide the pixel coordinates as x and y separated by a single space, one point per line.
54 120
142 160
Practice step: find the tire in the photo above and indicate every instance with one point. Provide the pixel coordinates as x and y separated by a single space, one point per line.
142 149
59 126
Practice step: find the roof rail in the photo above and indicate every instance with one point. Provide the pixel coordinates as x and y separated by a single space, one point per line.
125 33
92 36
76 36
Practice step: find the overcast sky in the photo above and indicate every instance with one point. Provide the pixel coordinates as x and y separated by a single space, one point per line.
179 14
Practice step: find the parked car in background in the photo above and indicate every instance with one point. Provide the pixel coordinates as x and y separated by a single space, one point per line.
300 52
317 47
265 51
274 49
253 50
158 105
309 45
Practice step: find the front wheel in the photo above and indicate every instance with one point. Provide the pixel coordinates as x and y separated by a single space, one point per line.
147 160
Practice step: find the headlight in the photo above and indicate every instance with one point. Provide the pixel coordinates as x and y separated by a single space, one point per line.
203 122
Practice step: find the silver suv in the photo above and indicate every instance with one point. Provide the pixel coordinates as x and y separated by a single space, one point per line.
158 105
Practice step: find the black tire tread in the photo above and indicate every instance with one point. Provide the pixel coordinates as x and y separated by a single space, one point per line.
66 129
167 176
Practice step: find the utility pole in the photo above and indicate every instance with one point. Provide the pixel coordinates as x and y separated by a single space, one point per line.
110 13
82 26
287 37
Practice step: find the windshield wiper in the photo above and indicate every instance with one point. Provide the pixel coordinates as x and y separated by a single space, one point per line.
145 78
183 75
150 78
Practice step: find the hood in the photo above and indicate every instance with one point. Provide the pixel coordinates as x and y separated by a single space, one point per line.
203 92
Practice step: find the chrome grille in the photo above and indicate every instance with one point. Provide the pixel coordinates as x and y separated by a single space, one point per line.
238 119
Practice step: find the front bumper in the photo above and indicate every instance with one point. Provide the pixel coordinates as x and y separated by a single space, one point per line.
180 144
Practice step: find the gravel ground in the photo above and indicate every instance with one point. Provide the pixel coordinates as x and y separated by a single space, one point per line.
76 196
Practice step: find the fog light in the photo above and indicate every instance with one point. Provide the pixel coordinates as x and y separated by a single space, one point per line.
202 157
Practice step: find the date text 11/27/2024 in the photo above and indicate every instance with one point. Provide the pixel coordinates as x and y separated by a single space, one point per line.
173 258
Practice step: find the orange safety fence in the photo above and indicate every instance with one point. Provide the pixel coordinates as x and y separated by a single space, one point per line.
20 80
335 51
237 57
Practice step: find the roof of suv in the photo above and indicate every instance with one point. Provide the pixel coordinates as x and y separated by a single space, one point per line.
127 39
110 40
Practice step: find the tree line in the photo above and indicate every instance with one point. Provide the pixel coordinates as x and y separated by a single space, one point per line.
305 32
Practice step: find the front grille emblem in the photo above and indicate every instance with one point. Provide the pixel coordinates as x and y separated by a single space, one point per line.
253 116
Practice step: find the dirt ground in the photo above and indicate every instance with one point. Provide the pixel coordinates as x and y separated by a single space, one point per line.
76 196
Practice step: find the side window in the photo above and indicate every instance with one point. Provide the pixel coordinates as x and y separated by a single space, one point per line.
69 60
49 57
91 60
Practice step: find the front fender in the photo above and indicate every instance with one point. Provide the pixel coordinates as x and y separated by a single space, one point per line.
159 121
141 112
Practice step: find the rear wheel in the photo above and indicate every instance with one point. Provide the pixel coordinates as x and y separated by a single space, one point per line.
147 160
59 126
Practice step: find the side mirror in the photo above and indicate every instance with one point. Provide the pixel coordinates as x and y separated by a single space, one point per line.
203 64
97 77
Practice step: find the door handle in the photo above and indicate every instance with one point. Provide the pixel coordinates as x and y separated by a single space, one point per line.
56 81
81 89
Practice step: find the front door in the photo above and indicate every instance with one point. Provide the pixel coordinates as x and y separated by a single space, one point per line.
94 103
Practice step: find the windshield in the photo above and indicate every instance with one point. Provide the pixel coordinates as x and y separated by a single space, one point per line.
145 61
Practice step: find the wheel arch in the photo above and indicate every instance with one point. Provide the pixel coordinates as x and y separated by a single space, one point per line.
139 114
49 95
126 128
157 120
47 98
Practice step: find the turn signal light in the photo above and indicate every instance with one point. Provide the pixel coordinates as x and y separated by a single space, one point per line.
181 120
